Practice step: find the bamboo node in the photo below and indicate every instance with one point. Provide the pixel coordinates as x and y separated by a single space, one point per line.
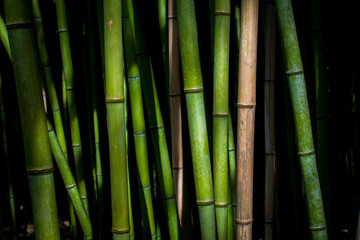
115 100
318 228
243 221
269 221
220 114
168 197
140 134
224 13
156 127
193 90
69 88
205 203
40 171
175 94
56 110
177 167
62 30
132 237
120 231
240 105
145 187
294 73
84 197
18 25
302 154
172 16
37 17
270 154
133 78
70 186
221 205
231 149
76 145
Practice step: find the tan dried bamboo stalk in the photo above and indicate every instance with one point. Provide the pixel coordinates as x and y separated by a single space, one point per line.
175 107
246 118
269 117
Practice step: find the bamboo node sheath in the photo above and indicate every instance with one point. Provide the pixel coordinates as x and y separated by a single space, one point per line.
270 154
175 94
140 134
301 154
318 228
172 17
168 197
40 171
84 197
120 231
193 90
224 13
133 78
19 25
269 221
62 30
220 115
221 205
241 105
156 127
294 73
205 203
244 221
70 186
114 100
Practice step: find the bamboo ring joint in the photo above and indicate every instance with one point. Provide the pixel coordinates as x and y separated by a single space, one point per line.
175 94
269 221
168 198
220 114
140 134
70 186
193 90
224 13
116 231
62 30
40 171
76 145
240 105
172 16
19 25
83 197
133 78
221 205
205 203
303 154
115 100
156 127
318 228
243 222
294 73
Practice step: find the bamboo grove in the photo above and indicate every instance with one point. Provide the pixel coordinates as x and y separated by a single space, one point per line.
179 119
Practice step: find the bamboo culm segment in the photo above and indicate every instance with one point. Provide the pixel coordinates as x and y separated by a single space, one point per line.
158 136
269 118
175 109
33 120
193 88
303 131
70 183
71 101
138 121
4 36
114 99
246 118
220 114
232 167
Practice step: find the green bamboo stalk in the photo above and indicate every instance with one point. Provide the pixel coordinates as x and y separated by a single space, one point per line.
232 168
138 128
193 88
156 124
246 118
304 139
269 118
220 114
322 144
33 120
4 140
71 101
4 36
70 183
95 109
114 99
175 109
230 223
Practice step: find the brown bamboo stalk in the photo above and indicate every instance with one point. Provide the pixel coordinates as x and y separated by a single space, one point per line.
269 118
246 118
175 107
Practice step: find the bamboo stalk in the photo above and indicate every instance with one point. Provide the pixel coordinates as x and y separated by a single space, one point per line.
193 88
305 145
269 118
138 121
4 36
175 109
33 120
246 118
114 99
4 139
322 143
156 124
71 101
220 114
70 183
95 110
232 169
